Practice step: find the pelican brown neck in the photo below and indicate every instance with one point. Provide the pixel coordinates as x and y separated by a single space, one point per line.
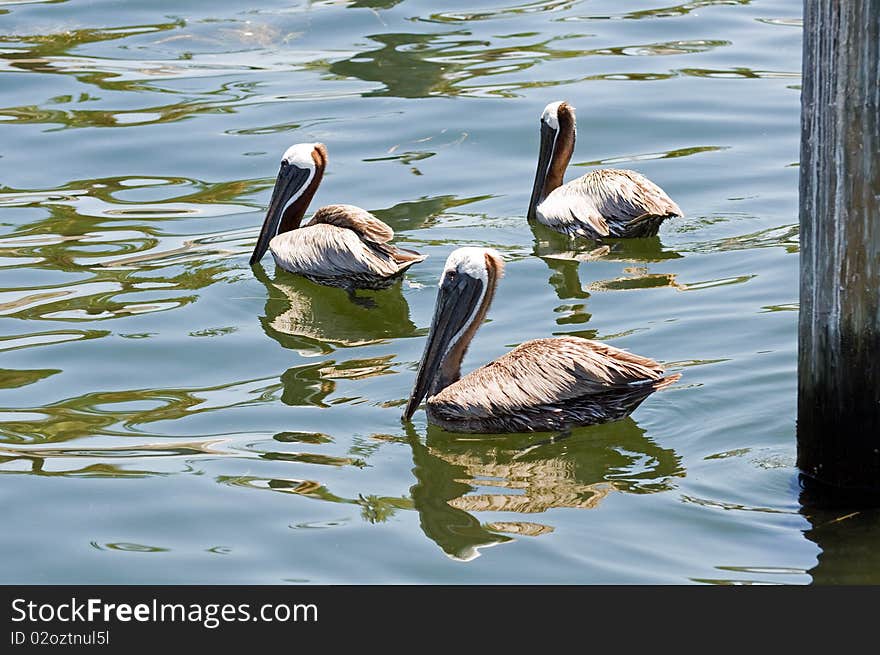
298 178
466 291
296 210
450 370
558 132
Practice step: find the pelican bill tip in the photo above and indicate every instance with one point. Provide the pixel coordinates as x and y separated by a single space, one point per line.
408 412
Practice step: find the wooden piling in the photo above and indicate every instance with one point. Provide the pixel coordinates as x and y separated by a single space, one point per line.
838 427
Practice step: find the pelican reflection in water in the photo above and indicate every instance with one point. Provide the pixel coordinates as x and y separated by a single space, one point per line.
602 203
342 245
309 318
628 261
518 479
544 384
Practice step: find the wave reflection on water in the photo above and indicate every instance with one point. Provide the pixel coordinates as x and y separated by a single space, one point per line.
155 389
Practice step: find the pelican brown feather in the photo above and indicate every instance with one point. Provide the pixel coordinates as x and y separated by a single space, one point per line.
602 203
358 220
544 384
342 245
549 384
337 256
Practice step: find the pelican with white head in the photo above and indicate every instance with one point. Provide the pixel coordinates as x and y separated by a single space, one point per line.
602 203
544 384
342 245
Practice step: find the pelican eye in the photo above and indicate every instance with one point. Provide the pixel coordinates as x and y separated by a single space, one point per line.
450 278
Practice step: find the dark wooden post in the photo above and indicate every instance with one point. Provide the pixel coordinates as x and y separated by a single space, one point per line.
839 333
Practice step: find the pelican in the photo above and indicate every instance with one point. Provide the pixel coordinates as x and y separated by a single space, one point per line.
541 385
343 245
603 203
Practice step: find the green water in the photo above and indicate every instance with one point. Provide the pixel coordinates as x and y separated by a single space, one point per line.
169 415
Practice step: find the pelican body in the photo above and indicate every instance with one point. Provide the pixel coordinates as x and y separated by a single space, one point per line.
343 245
603 203
541 385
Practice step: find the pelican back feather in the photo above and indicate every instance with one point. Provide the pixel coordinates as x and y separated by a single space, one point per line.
549 384
327 253
608 202
343 246
358 220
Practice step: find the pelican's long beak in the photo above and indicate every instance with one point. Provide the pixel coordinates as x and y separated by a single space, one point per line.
456 306
291 180
545 156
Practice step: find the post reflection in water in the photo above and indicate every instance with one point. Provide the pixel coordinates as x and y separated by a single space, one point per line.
846 533
458 475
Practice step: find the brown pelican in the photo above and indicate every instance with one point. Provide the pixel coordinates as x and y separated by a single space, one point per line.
544 384
602 203
343 245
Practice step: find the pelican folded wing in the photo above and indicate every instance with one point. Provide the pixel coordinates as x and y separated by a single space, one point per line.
355 219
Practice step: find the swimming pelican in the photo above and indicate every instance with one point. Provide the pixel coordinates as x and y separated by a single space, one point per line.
544 384
343 245
603 203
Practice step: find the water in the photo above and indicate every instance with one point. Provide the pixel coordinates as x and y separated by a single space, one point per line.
169 415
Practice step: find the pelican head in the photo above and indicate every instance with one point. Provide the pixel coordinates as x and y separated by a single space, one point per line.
467 287
301 170
558 133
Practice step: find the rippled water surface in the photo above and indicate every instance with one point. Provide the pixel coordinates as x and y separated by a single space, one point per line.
170 415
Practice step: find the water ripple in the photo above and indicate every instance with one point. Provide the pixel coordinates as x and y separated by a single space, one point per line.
147 366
